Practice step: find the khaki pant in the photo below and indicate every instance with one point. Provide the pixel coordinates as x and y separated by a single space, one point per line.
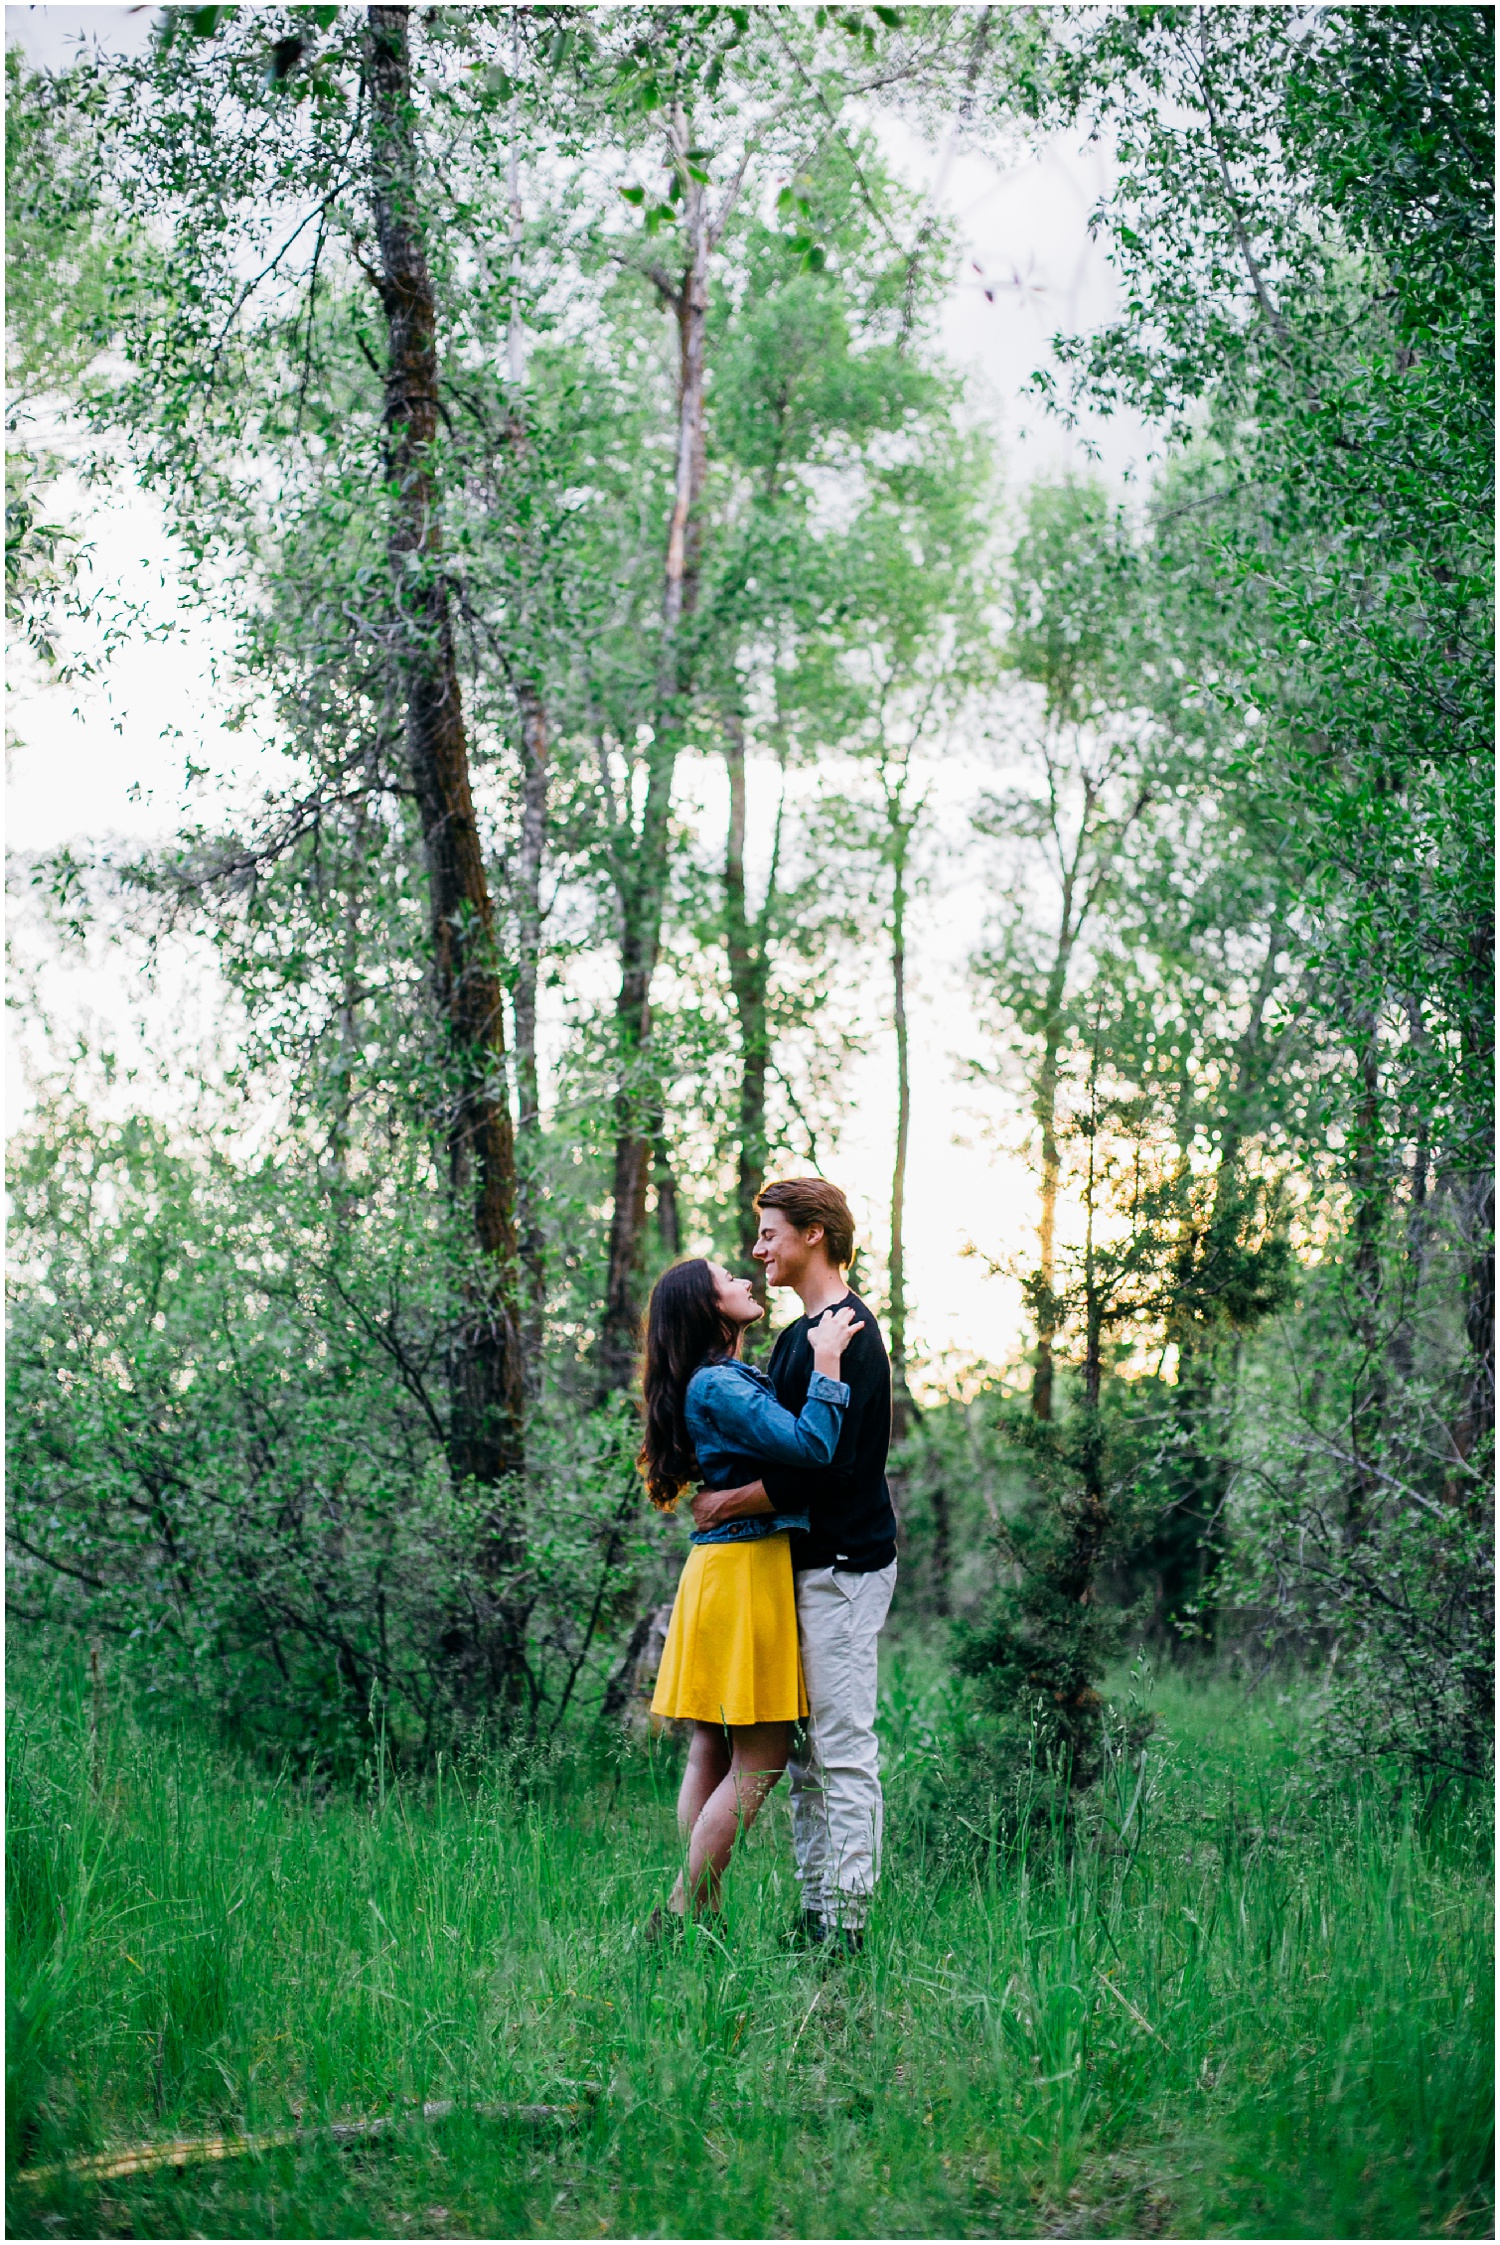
837 1809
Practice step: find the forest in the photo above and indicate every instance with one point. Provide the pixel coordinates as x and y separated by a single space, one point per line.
638 639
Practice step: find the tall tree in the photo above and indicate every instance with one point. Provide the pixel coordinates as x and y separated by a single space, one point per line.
643 886
747 945
909 654
817 373
1072 609
535 730
487 1439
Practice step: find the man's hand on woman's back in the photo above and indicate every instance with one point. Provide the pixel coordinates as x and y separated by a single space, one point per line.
712 1507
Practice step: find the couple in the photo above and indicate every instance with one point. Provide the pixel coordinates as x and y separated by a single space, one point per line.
793 1562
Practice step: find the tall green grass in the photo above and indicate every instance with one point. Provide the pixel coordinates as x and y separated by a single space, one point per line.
1246 2008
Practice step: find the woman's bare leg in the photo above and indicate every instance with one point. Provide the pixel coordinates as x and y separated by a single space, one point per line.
759 1757
708 1765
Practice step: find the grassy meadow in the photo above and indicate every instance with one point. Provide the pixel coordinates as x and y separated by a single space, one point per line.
1241 2005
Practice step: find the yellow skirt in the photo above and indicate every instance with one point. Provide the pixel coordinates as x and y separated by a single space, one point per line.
731 1654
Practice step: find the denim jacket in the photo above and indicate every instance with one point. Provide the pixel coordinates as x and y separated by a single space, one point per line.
736 1422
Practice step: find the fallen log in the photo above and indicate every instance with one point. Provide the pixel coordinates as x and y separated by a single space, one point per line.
197 2151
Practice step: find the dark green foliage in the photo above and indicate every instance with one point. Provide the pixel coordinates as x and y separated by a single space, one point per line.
1302 222
1372 1557
234 1463
1042 1648
954 1477
1282 269
1168 1259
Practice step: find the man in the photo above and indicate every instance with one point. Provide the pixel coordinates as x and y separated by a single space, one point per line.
844 1565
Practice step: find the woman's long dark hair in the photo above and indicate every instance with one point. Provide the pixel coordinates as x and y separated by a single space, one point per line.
685 1327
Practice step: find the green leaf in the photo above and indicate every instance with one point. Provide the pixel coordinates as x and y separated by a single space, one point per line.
636 195
325 18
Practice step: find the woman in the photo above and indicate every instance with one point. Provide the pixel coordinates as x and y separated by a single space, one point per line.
730 1663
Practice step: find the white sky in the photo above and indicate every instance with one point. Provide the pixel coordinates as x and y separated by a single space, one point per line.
109 759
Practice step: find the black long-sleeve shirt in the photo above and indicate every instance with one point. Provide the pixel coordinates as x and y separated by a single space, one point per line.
853 1523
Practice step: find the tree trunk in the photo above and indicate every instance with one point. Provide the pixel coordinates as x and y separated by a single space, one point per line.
1367 1402
1417 1230
1088 1513
668 1215
1081 871
351 1000
1479 1319
486 1425
942 1551
643 877
901 1403
535 773
535 777
1046 1315
1475 1427
1044 1107
1188 1558
748 978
